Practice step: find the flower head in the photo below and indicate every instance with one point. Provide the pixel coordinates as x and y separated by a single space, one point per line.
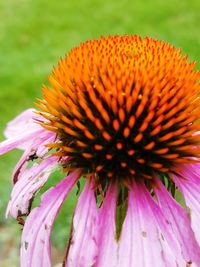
122 112
124 107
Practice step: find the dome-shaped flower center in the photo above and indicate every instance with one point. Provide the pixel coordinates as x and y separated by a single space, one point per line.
124 107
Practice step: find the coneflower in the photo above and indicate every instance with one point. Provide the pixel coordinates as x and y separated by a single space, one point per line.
122 112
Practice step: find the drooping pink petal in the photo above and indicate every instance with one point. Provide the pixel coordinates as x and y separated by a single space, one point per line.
189 185
38 148
107 244
29 183
21 141
40 143
35 243
22 123
22 131
21 165
179 222
83 245
146 238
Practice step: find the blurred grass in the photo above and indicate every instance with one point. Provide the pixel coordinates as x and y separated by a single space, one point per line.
34 34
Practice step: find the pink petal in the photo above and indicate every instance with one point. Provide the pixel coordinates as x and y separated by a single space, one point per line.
83 248
21 165
37 147
22 131
22 123
21 141
145 234
179 222
35 243
30 182
40 143
107 244
188 184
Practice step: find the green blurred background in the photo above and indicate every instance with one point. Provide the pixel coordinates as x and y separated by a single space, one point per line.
34 34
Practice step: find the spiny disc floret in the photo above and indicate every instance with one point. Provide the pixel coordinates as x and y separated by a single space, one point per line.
124 107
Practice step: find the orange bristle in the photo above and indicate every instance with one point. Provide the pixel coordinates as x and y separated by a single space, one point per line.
124 107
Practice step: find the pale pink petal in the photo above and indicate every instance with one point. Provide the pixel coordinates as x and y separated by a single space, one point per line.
23 130
179 222
40 143
22 123
189 185
21 165
107 244
21 141
37 148
146 238
29 183
35 243
83 246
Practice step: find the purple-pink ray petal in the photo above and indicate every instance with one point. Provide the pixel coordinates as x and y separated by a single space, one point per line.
38 148
40 143
23 130
35 243
145 240
21 141
188 182
83 245
21 165
179 222
22 123
30 182
107 244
